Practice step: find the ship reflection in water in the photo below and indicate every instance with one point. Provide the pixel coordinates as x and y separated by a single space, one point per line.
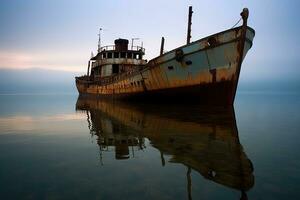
203 140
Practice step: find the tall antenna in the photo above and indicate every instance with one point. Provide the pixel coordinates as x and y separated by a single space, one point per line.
99 41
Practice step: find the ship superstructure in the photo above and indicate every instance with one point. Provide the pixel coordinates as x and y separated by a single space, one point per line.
114 60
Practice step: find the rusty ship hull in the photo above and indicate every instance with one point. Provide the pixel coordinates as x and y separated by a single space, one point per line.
206 71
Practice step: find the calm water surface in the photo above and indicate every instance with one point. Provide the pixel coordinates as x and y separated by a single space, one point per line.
65 147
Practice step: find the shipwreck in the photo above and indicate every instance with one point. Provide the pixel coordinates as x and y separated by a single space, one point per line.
205 71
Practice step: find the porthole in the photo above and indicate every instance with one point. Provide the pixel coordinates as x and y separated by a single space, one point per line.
170 67
188 62
211 41
179 55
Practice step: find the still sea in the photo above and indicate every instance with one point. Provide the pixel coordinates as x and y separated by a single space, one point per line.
61 146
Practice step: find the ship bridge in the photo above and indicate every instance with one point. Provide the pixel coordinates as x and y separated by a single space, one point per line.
116 59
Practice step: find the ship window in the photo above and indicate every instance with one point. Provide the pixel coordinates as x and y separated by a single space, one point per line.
109 55
188 62
136 56
170 67
116 54
115 68
129 55
104 55
123 55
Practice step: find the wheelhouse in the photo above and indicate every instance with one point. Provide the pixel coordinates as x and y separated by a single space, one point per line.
116 59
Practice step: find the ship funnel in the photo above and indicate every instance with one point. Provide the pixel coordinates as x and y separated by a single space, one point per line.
121 44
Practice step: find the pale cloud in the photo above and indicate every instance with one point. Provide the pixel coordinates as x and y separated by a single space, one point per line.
14 60
72 61
63 117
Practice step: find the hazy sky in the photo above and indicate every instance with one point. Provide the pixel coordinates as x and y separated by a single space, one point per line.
60 34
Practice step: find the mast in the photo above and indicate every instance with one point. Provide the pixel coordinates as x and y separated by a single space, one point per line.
99 40
188 37
162 45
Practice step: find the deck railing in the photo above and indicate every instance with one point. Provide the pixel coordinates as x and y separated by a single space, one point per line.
113 47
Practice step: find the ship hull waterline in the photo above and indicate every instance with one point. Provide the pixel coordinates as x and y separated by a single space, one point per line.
205 71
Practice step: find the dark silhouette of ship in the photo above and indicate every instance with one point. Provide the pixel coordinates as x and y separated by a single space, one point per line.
202 139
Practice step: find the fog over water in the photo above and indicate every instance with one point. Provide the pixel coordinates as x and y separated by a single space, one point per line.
39 80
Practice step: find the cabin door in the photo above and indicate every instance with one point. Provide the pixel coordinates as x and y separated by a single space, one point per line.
115 68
